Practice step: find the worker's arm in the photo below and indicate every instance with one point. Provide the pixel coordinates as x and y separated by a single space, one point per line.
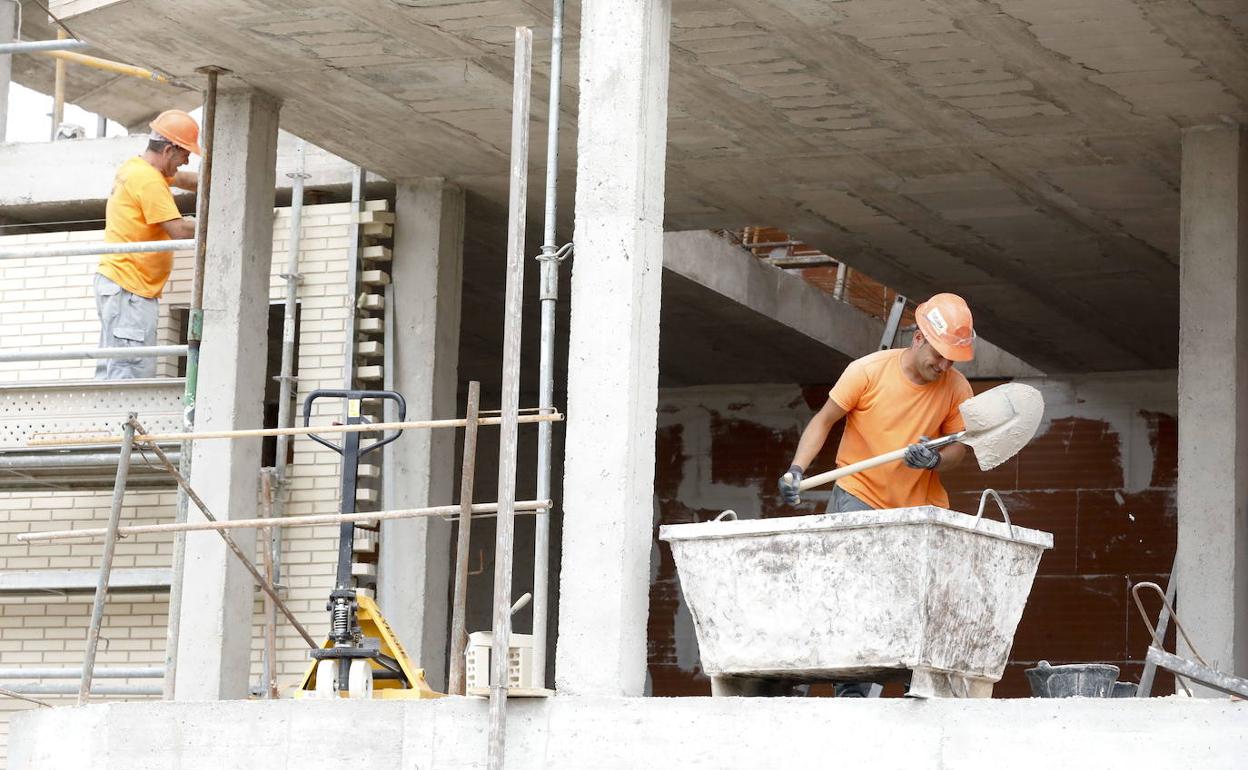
812 441
816 433
951 456
180 228
186 180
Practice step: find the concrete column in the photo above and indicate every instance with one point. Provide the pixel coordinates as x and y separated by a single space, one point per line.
215 647
427 275
1212 562
613 348
8 33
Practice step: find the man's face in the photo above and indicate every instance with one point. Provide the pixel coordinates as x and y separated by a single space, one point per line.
930 364
173 158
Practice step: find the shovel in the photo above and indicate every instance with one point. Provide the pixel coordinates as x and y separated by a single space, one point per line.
999 422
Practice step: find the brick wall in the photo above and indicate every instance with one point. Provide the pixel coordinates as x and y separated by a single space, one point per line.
1100 476
47 302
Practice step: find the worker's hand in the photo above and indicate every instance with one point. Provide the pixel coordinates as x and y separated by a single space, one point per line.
789 485
922 456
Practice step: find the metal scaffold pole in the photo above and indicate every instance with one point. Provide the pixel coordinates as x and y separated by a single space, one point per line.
549 259
512 306
194 336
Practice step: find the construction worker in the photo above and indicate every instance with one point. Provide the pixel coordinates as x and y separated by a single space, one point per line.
895 398
141 208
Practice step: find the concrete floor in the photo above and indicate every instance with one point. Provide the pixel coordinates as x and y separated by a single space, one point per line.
1020 152
566 733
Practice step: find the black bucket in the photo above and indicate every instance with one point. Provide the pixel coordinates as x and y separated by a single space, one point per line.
1076 680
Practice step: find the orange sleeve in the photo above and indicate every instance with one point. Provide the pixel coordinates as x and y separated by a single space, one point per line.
953 420
155 200
850 387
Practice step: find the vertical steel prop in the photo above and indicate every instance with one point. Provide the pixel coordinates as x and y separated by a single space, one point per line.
504 556
106 562
549 259
194 337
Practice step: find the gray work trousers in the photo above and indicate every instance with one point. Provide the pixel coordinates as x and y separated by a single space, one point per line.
126 320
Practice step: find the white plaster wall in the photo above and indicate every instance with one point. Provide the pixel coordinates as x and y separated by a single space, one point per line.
570 733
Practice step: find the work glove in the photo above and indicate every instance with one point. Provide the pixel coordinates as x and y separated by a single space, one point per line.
922 456
789 485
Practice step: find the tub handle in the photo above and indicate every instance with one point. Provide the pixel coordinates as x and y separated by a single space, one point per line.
724 516
983 499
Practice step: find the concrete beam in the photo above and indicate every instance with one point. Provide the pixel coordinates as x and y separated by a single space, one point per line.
1212 559
215 647
31 192
613 348
717 264
427 272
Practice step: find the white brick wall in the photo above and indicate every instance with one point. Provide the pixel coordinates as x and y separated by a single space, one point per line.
48 302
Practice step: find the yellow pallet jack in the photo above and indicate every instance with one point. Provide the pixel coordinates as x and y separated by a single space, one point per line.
362 657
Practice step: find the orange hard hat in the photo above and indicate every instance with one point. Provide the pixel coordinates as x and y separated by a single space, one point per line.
946 322
178 127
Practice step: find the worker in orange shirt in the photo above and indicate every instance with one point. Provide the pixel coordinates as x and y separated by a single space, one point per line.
141 208
889 399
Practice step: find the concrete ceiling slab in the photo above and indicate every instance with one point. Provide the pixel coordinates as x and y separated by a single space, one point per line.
1023 152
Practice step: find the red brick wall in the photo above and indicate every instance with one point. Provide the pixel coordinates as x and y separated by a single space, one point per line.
1100 476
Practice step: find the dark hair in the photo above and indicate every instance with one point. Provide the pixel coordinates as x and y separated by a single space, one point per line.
157 145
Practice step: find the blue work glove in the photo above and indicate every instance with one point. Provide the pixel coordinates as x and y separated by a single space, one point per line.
789 482
922 456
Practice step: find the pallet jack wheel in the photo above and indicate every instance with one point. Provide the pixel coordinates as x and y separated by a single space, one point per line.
360 679
326 678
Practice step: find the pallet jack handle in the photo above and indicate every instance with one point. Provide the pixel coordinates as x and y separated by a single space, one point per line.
354 399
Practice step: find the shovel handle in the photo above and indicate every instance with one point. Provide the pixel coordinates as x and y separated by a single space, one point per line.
819 479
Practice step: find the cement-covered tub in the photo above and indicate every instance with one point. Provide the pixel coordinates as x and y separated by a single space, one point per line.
858 596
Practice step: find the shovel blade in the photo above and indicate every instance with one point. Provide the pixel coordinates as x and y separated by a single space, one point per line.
1000 422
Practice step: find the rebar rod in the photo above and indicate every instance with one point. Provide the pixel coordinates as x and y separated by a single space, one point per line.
190 392
459 604
549 288
513 305
263 432
91 248
71 354
35 46
19 696
106 561
265 585
309 520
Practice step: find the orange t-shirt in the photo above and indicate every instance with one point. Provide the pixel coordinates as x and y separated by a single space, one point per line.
140 201
886 411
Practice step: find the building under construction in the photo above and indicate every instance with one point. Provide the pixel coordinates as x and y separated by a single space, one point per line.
612 255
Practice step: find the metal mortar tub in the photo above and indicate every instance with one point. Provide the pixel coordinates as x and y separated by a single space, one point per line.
860 596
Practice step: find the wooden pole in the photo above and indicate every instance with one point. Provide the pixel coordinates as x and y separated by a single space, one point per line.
166 438
270 609
58 91
106 563
521 506
459 605
512 307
